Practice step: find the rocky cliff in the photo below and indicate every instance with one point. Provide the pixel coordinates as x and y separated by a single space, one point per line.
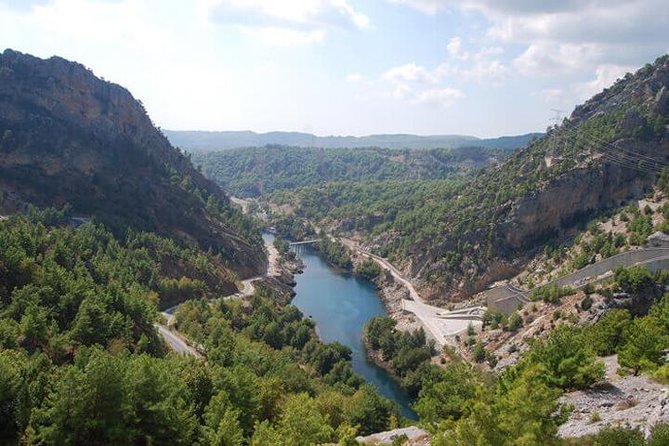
608 152
67 136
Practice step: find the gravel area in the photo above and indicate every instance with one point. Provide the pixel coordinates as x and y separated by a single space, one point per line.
636 401
415 435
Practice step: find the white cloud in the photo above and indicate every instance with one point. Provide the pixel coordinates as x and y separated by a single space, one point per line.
427 6
441 97
565 98
492 71
354 77
605 76
410 72
278 36
483 65
107 23
558 37
291 22
550 59
553 95
406 79
420 86
454 47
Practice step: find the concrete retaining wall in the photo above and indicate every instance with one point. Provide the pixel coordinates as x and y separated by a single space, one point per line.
507 300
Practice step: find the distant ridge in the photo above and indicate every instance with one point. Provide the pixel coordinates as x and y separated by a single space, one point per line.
204 141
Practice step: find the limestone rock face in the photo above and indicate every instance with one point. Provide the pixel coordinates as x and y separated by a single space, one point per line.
609 152
576 193
67 136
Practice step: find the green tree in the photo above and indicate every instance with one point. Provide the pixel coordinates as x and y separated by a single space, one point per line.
567 359
302 424
645 341
605 336
450 395
222 423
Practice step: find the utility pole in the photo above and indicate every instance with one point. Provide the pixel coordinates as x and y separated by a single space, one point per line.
557 116
556 140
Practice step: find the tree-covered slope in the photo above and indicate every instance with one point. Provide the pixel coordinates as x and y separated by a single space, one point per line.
81 362
67 136
252 172
610 150
203 141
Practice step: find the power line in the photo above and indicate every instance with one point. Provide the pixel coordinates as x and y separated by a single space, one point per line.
619 156
627 153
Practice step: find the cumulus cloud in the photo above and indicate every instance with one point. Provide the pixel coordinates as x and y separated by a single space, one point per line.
406 79
454 47
288 22
427 6
410 72
21 5
558 36
574 47
441 97
419 85
549 58
277 36
485 65
605 76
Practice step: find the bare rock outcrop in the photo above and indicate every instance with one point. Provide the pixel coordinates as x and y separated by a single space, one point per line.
67 136
633 401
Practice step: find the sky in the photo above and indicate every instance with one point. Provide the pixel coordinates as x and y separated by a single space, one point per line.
348 67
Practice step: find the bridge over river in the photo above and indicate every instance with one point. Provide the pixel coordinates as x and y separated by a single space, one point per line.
305 242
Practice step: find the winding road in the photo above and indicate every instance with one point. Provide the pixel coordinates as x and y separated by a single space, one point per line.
507 298
178 342
439 324
385 264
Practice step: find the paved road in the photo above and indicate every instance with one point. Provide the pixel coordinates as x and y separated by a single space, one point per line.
176 342
443 325
385 264
439 324
507 298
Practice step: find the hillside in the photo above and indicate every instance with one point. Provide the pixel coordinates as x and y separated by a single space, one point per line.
210 141
256 171
609 151
82 361
68 137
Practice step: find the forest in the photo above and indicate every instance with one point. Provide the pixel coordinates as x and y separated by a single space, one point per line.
457 226
81 361
464 405
256 171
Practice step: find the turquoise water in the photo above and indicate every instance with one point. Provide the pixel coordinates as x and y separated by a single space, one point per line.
341 305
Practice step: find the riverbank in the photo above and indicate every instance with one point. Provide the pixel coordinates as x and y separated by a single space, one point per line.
281 270
391 292
340 304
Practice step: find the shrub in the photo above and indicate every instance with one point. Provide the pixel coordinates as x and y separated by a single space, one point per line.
479 353
595 417
515 322
551 293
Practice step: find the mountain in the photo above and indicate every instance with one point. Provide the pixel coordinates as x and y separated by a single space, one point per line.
457 241
68 137
255 171
210 141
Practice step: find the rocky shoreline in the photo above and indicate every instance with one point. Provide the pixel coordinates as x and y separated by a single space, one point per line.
392 293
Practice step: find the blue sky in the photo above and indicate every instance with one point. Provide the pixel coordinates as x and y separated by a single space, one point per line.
348 67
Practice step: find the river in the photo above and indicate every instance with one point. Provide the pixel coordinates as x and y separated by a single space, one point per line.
340 305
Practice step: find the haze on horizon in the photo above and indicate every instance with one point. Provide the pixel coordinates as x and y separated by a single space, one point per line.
348 67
